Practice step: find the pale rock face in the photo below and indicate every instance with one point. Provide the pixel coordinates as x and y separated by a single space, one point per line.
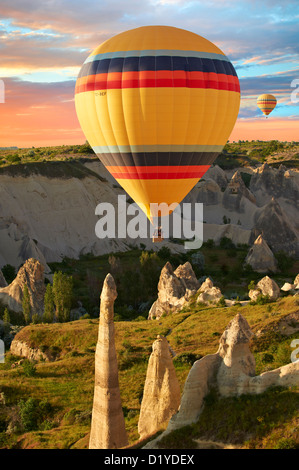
260 257
285 376
238 362
47 216
217 174
296 282
208 293
276 228
31 274
234 194
280 183
265 286
19 348
206 191
108 424
174 289
161 396
199 380
287 287
231 370
185 273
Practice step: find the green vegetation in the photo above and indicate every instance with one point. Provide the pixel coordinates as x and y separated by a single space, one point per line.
248 421
62 293
67 381
137 272
9 272
235 154
253 153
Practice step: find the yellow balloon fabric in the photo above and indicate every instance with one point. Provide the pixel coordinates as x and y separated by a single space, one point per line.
157 104
266 103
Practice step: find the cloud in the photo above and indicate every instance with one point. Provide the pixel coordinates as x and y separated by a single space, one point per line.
39 113
49 40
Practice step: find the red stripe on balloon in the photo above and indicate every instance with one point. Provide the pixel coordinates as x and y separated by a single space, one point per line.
158 172
162 78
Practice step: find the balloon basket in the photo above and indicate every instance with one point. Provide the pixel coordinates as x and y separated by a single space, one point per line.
158 236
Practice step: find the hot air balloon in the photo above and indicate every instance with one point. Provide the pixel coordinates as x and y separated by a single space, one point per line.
157 105
266 103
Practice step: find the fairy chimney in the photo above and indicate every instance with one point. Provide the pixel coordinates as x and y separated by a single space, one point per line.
161 397
107 424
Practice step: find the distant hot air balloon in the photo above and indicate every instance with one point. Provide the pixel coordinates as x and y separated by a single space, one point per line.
266 103
157 104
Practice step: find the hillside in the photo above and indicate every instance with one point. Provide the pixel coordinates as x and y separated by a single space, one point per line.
235 154
48 198
48 405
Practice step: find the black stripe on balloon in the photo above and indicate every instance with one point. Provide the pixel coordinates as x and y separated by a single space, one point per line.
152 63
158 158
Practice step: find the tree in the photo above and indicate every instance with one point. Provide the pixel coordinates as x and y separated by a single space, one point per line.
6 316
62 293
9 273
26 304
48 315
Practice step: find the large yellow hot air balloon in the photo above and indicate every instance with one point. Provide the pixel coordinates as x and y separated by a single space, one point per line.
266 103
157 104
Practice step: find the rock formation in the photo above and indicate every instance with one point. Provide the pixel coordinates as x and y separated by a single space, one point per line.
234 194
48 212
208 293
269 182
238 363
31 274
231 370
276 228
217 174
266 286
296 282
287 287
108 424
20 348
205 191
161 396
174 289
3 282
185 274
260 257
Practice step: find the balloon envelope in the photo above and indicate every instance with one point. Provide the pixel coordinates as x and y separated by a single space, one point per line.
266 103
157 104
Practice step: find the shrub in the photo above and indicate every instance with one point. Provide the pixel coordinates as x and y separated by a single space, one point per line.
29 368
33 412
251 285
286 443
186 358
267 357
221 302
164 253
209 243
226 243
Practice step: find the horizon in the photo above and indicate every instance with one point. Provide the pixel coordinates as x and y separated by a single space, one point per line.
43 49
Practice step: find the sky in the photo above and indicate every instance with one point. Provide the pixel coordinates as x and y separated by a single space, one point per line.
44 43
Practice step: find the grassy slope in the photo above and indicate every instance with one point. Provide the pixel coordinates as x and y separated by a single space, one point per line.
67 383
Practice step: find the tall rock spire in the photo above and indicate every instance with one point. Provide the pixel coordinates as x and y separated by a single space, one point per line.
107 424
161 396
